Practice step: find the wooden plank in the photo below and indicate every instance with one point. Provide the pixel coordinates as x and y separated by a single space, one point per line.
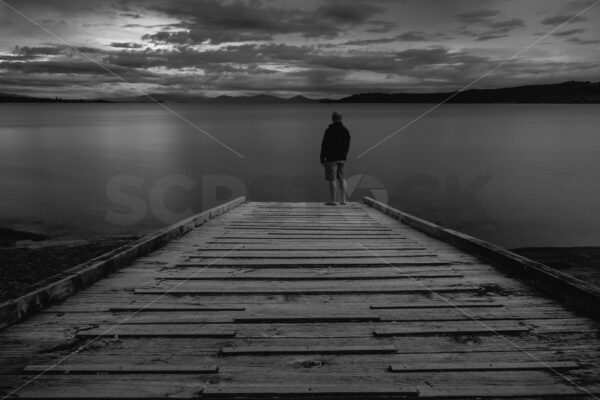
290 255
313 237
482 366
306 291
435 305
449 331
142 308
275 229
82 369
121 332
344 262
297 247
283 391
314 277
311 319
336 350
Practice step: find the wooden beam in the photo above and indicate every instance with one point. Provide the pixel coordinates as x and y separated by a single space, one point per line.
86 369
361 277
325 264
438 305
306 291
481 366
172 333
307 319
275 350
447 331
141 308
350 391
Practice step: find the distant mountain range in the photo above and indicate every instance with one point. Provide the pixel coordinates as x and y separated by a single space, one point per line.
566 92
17 98
184 98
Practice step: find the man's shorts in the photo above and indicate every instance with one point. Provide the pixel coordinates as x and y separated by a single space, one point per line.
334 170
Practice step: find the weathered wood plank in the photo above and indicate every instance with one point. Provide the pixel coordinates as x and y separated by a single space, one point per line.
126 331
154 308
435 305
417 262
483 330
120 368
250 350
309 391
491 366
311 319
314 277
176 291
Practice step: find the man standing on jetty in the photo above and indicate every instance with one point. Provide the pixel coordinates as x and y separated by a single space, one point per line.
334 150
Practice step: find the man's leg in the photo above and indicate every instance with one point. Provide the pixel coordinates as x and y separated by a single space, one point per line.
341 181
332 191
343 191
330 174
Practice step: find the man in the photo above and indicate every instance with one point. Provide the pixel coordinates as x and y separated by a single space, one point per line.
334 150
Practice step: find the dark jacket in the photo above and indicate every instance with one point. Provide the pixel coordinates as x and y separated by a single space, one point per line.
336 142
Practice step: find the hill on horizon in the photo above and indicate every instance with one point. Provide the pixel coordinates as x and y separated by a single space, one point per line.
566 92
571 92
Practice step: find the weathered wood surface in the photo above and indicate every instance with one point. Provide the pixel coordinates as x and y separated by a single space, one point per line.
300 300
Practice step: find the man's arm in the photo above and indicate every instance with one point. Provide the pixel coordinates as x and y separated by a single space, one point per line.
324 144
346 142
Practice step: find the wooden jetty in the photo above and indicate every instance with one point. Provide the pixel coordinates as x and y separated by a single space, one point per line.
302 300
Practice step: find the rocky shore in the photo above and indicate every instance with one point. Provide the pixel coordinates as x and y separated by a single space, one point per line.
29 260
580 262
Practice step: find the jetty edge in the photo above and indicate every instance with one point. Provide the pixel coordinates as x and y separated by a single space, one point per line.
89 272
580 295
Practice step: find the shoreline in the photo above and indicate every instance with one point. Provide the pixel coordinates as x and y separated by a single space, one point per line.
29 261
579 262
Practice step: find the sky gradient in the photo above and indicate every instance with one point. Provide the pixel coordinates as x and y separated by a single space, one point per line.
317 48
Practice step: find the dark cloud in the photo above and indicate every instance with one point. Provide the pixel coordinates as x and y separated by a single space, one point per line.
127 45
131 15
411 36
218 22
477 17
483 26
381 26
499 29
578 40
569 32
41 51
344 13
69 67
561 19
195 36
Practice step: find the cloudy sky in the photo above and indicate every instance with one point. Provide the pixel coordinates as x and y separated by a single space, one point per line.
90 48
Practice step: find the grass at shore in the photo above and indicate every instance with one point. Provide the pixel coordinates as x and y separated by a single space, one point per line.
580 262
26 266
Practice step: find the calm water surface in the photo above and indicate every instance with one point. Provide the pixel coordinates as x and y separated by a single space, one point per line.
517 175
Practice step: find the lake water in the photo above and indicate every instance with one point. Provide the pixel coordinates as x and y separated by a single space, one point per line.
516 175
